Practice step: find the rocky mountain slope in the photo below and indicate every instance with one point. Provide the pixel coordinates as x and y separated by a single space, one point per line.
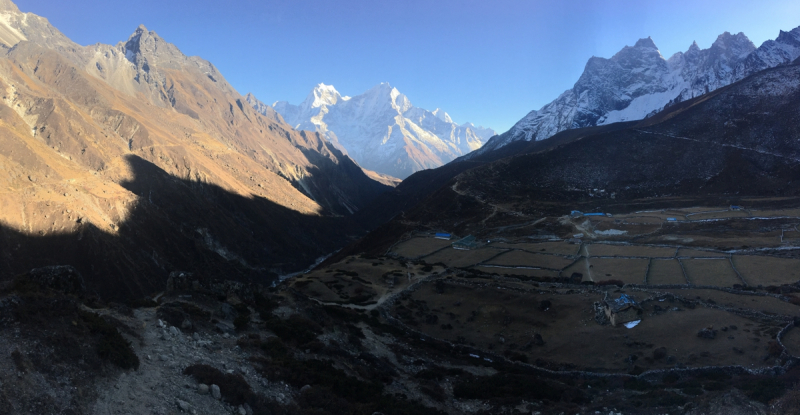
380 129
134 160
638 82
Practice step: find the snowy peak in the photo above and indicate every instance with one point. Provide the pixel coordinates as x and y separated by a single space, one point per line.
790 38
645 43
381 130
439 113
8 5
735 45
322 95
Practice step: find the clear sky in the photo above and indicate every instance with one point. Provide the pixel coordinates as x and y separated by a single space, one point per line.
488 62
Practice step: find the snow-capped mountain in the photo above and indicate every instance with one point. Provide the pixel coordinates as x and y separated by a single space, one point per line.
638 82
381 129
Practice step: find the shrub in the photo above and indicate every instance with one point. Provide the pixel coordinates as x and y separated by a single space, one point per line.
234 389
610 282
505 385
295 329
764 390
111 346
241 322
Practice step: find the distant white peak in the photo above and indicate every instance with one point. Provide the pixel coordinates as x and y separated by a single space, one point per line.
322 95
440 114
646 43
399 101
726 39
8 5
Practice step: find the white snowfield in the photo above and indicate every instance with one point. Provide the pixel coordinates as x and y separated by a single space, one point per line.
638 82
381 130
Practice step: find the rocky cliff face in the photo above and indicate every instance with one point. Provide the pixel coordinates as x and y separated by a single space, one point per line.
133 160
638 82
381 129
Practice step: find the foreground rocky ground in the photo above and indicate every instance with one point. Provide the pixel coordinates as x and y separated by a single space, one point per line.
218 347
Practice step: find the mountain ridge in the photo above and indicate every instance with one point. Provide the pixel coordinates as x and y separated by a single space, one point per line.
637 82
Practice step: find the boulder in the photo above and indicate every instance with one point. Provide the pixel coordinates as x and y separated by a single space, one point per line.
179 280
215 392
183 405
228 312
707 333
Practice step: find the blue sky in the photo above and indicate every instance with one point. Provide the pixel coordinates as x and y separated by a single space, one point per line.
487 62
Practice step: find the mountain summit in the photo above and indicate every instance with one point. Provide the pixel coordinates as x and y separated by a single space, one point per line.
381 129
638 82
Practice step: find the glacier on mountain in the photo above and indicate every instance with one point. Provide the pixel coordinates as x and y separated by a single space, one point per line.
380 129
638 82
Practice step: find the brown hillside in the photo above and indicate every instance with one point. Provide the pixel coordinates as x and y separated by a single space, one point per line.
75 121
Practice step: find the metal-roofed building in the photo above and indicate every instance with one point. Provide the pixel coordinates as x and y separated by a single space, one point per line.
468 242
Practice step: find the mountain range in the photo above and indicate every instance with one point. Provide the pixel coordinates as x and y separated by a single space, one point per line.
131 161
380 129
638 82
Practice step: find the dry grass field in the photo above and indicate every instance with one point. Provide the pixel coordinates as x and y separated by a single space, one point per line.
503 321
582 267
459 258
718 215
765 304
717 272
630 229
790 235
701 209
527 259
696 253
561 248
792 341
766 270
629 271
794 213
665 271
630 250
526 272
358 280
419 246
652 220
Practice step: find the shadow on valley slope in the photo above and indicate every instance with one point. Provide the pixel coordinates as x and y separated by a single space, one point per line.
180 225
